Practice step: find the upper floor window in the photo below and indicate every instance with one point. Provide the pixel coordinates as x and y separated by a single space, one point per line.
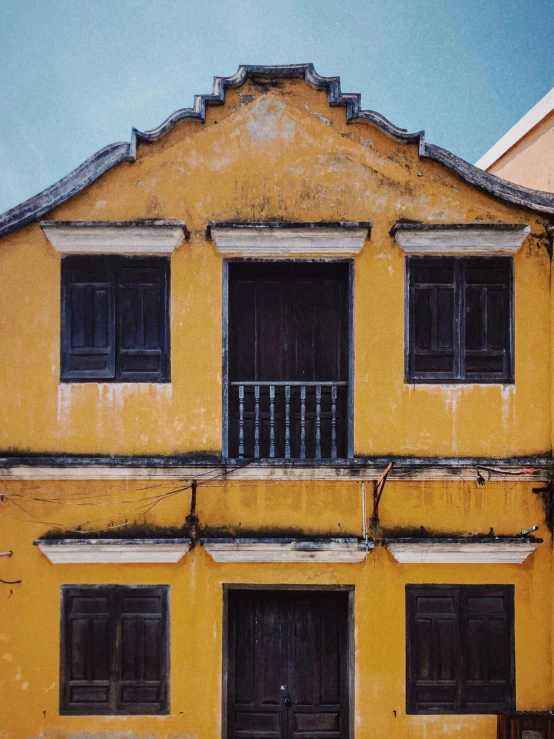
459 319
288 354
115 318
115 647
460 648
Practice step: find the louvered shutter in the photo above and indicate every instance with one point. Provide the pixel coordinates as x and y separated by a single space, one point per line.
433 350
87 650
433 652
87 326
143 320
142 650
487 649
487 287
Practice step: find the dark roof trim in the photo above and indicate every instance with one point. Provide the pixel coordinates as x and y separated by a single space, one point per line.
106 158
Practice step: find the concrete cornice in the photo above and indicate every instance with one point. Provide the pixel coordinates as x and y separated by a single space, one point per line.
278 239
106 158
537 469
472 238
149 236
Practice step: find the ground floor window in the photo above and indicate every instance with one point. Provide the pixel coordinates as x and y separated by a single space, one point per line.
460 648
114 650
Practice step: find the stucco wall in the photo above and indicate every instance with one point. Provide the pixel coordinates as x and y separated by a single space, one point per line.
281 154
30 624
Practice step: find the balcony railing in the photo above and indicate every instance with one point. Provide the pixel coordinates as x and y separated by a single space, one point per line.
288 420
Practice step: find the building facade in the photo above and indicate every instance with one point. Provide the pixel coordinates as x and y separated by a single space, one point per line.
277 414
525 154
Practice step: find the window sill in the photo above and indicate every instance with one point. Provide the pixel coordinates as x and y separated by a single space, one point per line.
113 383
426 382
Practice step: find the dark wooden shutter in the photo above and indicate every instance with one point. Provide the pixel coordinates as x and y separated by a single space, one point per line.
87 325
460 648
433 350
288 322
487 286
87 650
487 649
460 319
114 650
433 649
141 673
143 319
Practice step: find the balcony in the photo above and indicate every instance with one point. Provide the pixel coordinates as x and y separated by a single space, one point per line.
289 339
288 420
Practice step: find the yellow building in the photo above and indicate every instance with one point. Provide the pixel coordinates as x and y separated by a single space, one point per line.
277 423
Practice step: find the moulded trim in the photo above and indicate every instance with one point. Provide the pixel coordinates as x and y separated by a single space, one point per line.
497 551
33 467
347 550
115 237
113 551
472 239
281 240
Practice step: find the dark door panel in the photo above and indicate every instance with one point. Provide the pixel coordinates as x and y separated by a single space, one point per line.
287 665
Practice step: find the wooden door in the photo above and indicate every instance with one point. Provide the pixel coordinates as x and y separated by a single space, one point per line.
287 665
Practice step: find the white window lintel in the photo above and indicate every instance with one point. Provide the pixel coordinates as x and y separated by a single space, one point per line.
282 239
473 239
156 237
113 551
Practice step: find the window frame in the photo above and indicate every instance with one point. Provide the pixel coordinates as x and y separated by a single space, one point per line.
439 377
140 709
508 592
225 341
114 262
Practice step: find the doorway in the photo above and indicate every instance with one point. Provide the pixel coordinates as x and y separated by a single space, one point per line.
287 672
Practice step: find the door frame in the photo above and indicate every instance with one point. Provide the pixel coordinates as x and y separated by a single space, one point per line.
350 657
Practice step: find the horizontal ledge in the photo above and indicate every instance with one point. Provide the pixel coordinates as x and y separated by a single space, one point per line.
280 239
501 550
287 550
473 239
113 551
115 237
180 468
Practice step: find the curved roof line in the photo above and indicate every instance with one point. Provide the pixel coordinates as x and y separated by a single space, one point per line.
109 156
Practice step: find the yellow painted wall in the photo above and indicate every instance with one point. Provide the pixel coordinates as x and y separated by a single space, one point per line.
282 154
267 154
30 612
531 161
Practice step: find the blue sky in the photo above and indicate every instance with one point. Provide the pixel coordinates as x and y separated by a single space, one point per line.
76 75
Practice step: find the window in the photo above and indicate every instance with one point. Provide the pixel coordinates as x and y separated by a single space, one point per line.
289 357
114 650
115 319
460 648
459 325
